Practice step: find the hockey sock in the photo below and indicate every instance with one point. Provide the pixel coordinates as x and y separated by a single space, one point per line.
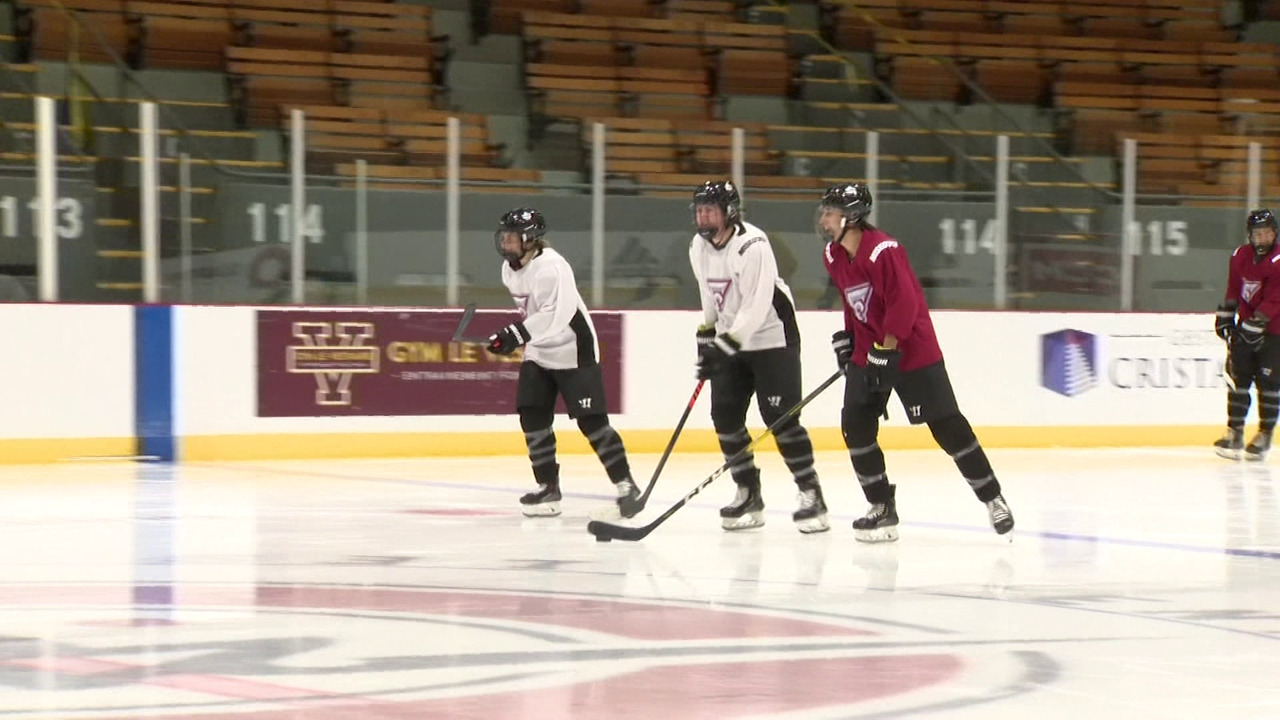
954 435
744 471
860 430
797 452
1238 407
540 439
607 444
1268 408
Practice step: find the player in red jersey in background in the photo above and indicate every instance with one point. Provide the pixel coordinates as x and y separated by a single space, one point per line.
888 344
1253 348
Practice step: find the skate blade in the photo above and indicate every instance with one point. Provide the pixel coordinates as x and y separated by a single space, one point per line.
879 535
1255 457
813 525
1227 454
746 522
550 509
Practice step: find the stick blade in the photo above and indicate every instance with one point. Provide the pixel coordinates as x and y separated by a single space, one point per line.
464 322
609 531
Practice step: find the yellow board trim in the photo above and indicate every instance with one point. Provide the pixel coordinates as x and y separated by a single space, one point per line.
289 446
18 451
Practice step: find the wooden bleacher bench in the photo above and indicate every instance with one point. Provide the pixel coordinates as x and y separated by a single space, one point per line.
755 72
705 35
1099 110
417 177
851 24
645 145
338 134
589 65
281 24
263 79
192 33
260 80
1152 99
1187 61
184 36
503 16
958 21
742 36
46 31
618 8
698 9
629 79
569 91
1198 164
383 28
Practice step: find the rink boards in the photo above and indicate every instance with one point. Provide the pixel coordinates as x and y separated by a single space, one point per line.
224 382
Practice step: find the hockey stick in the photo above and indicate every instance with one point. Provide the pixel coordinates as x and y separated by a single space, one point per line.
467 314
608 531
670 445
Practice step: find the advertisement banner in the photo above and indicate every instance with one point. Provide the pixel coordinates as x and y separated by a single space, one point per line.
1085 369
314 363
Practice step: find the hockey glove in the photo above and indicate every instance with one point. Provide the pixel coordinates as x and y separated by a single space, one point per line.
842 345
706 336
508 339
882 370
1253 331
1225 322
716 356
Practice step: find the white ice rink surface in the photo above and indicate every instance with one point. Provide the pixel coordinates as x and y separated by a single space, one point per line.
1139 584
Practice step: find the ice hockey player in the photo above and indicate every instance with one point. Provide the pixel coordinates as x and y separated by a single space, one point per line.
561 358
888 344
749 345
1249 320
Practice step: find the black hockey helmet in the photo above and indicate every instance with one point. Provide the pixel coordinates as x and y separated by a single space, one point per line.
851 200
1261 218
722 194
527 224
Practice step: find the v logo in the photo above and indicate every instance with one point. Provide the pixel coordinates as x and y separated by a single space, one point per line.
719 289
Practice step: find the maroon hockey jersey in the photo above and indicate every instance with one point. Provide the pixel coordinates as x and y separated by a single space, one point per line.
1255 283
882 296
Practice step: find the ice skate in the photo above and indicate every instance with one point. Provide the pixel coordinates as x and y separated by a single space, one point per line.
626 506
745 512
880 524
543 503
1001 517
1229 446
1258 447
811 516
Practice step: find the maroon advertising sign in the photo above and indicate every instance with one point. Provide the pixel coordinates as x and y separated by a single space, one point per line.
314 363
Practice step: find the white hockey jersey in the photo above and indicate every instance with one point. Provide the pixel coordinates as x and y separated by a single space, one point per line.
561 335
741 292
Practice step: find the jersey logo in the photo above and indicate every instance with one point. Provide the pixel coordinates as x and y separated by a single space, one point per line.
859 299
719 288
522 304
743 250
1249 288
884 245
